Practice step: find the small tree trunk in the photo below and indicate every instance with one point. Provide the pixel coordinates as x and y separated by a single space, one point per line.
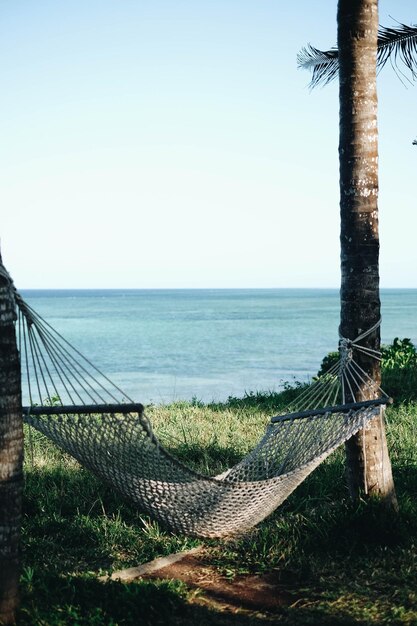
368 463
11 455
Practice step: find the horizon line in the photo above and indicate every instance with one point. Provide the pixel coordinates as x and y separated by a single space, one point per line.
194 288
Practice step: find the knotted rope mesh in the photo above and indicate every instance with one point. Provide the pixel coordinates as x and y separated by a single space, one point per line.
83 412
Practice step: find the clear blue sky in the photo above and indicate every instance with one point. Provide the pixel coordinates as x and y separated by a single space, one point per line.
168 143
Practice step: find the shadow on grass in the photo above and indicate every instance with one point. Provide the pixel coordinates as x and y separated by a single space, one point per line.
84 601
58 599
74 523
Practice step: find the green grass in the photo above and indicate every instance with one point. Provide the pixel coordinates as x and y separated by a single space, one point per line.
345 564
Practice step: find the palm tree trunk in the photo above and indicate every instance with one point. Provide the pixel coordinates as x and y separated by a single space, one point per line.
368 462
11 454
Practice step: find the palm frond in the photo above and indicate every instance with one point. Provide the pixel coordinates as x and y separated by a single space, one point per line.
415 142
398 45
324 65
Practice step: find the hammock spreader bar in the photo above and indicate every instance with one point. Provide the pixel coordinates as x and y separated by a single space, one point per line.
81 409
339 408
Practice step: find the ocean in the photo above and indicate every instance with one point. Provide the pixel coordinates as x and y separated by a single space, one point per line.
161 346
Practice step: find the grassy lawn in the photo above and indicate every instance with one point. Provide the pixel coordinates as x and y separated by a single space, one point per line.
343 565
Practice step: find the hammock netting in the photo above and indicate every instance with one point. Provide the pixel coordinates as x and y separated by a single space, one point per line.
82 411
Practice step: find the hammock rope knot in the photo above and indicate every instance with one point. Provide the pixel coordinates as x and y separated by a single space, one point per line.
346 352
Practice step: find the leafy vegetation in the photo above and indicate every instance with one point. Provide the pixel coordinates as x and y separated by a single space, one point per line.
342 564
399 369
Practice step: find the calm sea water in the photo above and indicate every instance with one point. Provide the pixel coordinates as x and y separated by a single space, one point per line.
165 345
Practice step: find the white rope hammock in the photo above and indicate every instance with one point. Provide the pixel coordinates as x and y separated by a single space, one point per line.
82 411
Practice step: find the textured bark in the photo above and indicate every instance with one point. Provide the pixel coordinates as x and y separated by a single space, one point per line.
368 463
11 456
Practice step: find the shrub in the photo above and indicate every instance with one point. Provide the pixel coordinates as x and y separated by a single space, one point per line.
399 370
400 354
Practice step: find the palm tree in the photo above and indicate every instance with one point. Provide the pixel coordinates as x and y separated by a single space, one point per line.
368 463
11 453
361 48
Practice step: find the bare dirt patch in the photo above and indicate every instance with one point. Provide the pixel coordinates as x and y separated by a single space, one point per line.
244 592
